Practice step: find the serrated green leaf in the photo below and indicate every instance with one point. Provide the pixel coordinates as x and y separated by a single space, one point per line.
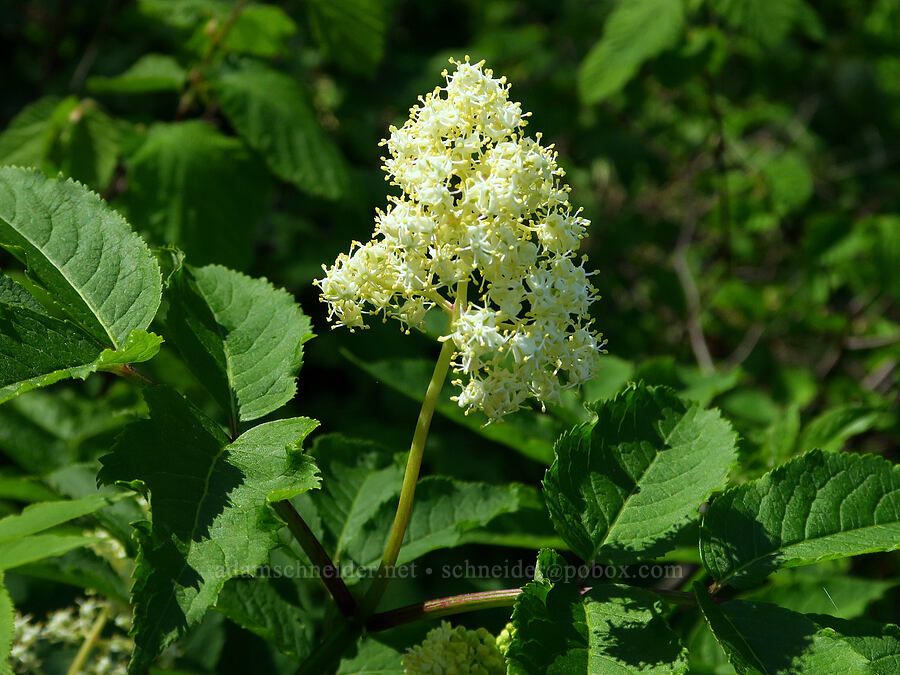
372 658
550 566
44 515
820 506
24 550
78 481
768 21
13 293
844 596
42 432
242 337
443 512
351 32
765 639
526 432
253 604
608 629
830 430
25 489
67 135
212 523
191 186
88 147
183 13
272 112
150 73
878 643
81 568
358 479
81 251
260 30
7 627
637 30
621 487
361 484
29 138
38 350
790 181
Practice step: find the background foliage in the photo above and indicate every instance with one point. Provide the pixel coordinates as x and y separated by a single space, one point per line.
739 160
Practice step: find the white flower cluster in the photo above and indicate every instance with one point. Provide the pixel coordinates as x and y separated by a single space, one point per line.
70 626
455 651
483 205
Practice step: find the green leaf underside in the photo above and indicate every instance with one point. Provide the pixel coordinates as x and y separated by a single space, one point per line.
37 350
272 112
637 30
81 251
209 524
13 293
242 337
193 186
609 629
7 627
820 506
256 606
759 638
528 433
150 73
621 487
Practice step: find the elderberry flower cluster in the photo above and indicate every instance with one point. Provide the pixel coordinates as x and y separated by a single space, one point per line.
455 651
32 640
484 230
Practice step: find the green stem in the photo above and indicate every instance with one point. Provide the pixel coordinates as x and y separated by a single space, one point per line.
89 641
435 609
329 574
410 478
470 602
413 465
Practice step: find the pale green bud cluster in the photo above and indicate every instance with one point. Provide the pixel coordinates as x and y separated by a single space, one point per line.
505 638
482 205
455 651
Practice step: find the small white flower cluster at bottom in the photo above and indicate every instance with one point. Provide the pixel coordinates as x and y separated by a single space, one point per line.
70 626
